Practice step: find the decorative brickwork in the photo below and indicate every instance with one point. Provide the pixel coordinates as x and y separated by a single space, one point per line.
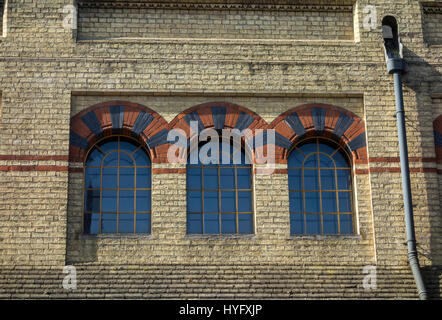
116 117
321 120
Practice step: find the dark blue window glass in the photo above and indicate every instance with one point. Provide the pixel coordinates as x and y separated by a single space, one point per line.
117 197
320 188
219 195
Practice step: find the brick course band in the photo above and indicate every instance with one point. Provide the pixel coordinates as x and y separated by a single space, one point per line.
34 168
116 117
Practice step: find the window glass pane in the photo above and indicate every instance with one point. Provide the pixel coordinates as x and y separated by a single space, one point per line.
111 160
244 201
311 161
312 204
127 178
94 158
245 223
92 201
141 158
295 179
143 223
227 178
228 201
211 223
296 204
109 201
296 223
330 223
345 202
108 146
295 159
328 181
109 178
308 148
325 148
193 178
91 223
109 223
143 201
194 223
211 201
128 145
126 201
228 223
329 202
346 223
194 201
143 179
340 160
92 176
325 161
344 179
126 223
210 178
244 178
125 160
313 223
311 179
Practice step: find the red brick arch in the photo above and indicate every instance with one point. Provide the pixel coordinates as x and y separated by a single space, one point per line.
116 117
337 123
217 115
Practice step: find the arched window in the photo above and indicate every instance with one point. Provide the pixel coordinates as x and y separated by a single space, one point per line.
219 196
320 188
117 189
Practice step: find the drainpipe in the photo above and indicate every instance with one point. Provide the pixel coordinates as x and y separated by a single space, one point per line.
396 66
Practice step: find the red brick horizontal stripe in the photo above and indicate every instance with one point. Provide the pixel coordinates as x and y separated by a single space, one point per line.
269 171
397 159
168 170
395 170
35 157
34 168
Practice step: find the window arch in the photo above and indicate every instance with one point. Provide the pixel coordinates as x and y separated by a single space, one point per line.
117 187
219 195
320 188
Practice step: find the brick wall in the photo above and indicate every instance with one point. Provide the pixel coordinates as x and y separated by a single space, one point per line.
215 22
47 76
432 22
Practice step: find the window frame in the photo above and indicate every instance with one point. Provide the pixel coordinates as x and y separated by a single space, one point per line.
351 167
247 154
139 145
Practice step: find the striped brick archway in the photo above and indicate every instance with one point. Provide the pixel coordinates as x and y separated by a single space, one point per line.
121 117
218 116
437 125
339 124
117 117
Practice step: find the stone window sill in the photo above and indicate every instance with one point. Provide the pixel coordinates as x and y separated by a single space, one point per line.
219 236
115 236
326 237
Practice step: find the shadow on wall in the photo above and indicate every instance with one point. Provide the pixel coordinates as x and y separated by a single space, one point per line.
424 79
79 247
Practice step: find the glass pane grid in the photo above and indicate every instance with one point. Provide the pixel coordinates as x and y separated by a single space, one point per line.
117 193
322 201
222 204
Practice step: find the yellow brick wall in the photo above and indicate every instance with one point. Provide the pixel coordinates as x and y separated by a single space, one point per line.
46 76
235 22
